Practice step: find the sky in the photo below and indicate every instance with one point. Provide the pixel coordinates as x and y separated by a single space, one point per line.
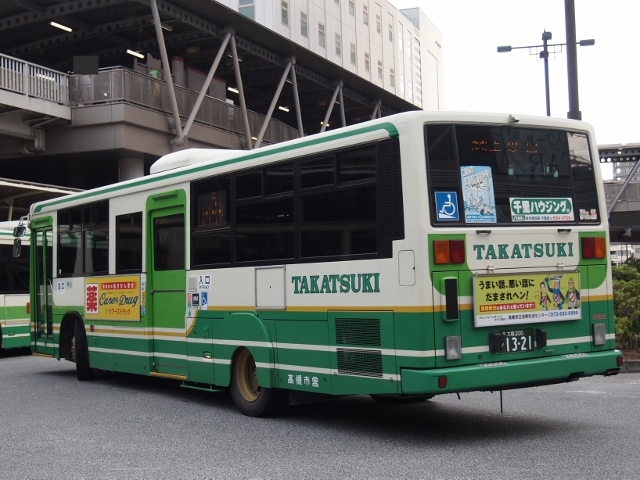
478 78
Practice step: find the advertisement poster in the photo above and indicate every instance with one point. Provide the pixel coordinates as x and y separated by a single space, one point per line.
542 210
113 298
526 298
477 194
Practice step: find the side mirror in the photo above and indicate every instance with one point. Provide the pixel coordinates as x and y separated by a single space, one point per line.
19 231
17 247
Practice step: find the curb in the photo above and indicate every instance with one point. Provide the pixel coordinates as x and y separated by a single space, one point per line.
630 366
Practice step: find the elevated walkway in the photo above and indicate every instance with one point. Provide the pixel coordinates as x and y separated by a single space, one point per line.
31 96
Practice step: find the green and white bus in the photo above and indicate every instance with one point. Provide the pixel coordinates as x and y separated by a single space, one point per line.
14 290
418 254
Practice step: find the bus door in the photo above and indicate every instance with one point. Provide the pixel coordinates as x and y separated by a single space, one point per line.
166 216
42 316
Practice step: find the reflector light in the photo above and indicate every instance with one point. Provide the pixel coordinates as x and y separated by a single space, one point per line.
441 252
456 248
599 334
442 382
28 307
453 348
619 361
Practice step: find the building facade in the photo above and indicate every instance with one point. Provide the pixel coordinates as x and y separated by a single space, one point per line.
398 50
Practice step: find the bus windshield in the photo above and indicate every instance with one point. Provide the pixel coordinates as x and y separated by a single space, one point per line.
512 175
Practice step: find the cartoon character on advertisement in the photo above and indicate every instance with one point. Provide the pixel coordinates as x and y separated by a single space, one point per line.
544 298
558 297
572 295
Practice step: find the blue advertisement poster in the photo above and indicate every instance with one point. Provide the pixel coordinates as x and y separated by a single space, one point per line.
477 194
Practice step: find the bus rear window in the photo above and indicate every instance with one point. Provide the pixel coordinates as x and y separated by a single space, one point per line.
509 175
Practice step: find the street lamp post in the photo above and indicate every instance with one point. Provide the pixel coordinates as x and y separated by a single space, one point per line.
543 52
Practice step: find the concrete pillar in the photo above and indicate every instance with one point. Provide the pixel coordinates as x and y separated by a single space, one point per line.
130 167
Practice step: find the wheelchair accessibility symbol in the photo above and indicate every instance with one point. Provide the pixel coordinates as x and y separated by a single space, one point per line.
447 206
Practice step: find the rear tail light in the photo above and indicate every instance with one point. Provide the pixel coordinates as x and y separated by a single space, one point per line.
594 247
448 251
442 382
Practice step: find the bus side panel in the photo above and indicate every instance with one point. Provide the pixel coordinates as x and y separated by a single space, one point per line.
14 324
303 357
364 360
414 334
447 317
200 348
600 307
244 329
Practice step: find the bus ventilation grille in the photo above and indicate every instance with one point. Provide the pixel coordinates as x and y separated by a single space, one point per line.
355 361
362 332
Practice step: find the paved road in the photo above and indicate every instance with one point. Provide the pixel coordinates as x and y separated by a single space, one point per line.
125 427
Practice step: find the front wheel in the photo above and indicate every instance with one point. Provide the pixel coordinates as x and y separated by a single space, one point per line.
250 398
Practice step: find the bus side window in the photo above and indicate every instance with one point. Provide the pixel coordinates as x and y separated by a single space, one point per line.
129 243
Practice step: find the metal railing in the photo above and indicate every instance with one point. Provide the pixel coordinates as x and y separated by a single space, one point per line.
630 194
33 80
119 84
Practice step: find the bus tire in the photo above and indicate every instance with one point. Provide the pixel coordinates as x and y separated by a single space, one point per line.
250 398
80 352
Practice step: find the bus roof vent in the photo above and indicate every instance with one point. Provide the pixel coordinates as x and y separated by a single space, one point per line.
191 156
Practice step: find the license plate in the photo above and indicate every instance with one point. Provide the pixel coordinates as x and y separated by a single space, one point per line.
517 340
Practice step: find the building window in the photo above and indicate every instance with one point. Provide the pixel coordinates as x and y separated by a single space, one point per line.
392 78
379 69
410 91
391 32
352 7
338 45
303 24
378 24
409 47
247 8
400 39
284 9
367 62
353 54
402 85
365 15
321 38
337 2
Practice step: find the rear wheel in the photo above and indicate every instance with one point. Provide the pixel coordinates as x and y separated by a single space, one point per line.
250 398
80 352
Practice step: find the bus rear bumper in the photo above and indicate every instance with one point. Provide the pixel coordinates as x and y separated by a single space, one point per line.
513 374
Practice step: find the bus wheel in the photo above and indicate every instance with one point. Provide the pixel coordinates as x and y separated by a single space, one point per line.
80 352
398 399
250 398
